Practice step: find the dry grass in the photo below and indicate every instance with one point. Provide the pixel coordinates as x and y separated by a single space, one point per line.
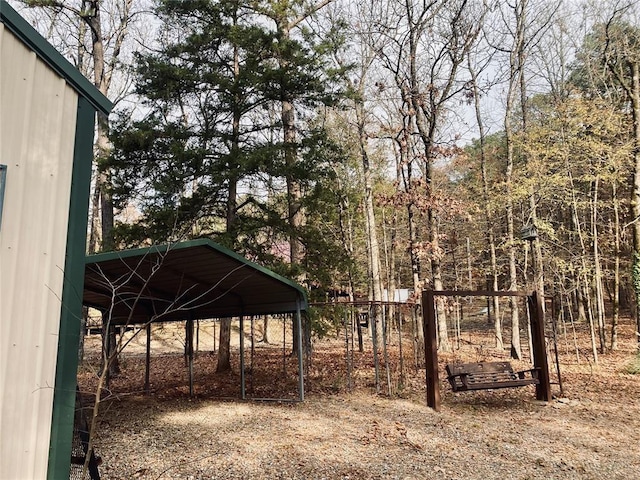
592 431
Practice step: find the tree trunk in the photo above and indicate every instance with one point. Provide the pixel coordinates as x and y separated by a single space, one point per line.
224 350
632 88
370 226
497 320
516 350
436 273
95 235
391 270
109 349
515 76
579 299
83 333
616 269
288 118
102 81
224 356
582 283
635 195
597 277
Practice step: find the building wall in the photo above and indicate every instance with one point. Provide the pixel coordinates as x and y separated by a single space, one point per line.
37 132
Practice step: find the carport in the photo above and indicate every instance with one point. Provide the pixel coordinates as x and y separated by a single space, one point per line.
188 281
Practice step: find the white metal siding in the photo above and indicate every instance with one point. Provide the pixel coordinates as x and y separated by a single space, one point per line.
37 132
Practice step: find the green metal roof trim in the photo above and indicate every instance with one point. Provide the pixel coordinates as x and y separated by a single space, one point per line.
47 53
136 252
192 279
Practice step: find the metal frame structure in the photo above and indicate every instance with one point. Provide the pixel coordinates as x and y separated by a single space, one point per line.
299 349
540 361
187 281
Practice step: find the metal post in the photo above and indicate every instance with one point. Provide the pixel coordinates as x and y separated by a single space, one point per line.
243 391
430 349
252 356
190 353
356 318
147 384
300 353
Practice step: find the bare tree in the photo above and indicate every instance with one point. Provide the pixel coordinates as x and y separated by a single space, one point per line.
621 55
427 45
103 28
362 121
522 32
476 66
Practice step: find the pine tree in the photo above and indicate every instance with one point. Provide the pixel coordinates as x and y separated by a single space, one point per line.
221 140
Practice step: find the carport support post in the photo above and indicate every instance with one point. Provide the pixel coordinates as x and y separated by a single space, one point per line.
243 389
147 366
190 353
300 353
430 349
543 389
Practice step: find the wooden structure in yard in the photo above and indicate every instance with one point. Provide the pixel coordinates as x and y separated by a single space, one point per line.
488 376
540 362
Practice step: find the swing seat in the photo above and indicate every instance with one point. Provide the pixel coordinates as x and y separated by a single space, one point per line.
488 376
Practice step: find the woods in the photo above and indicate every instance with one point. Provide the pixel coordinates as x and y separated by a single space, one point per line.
367 147
353 199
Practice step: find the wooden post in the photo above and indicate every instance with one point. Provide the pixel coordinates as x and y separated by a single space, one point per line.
540 361
430 349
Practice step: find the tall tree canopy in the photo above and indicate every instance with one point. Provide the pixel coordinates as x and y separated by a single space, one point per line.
211 157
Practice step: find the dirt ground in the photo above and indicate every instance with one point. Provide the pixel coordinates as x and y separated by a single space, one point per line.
589 431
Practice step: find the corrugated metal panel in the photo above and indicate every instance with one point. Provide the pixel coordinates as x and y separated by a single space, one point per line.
37 131
196 279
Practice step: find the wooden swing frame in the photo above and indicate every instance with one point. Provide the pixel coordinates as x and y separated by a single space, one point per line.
536 311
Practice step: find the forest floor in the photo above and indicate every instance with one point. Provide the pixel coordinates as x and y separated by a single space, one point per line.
345 430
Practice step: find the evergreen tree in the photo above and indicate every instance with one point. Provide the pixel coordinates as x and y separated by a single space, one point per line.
212 157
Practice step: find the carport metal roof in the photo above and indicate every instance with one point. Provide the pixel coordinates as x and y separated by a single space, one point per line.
197 279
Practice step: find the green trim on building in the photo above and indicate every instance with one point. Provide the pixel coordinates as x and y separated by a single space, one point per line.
101 257
90 101
71 311
47 53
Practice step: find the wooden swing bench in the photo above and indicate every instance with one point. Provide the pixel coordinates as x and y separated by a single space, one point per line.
488 375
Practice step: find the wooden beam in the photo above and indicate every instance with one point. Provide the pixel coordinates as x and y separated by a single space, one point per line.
479 293
430 349
536 309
